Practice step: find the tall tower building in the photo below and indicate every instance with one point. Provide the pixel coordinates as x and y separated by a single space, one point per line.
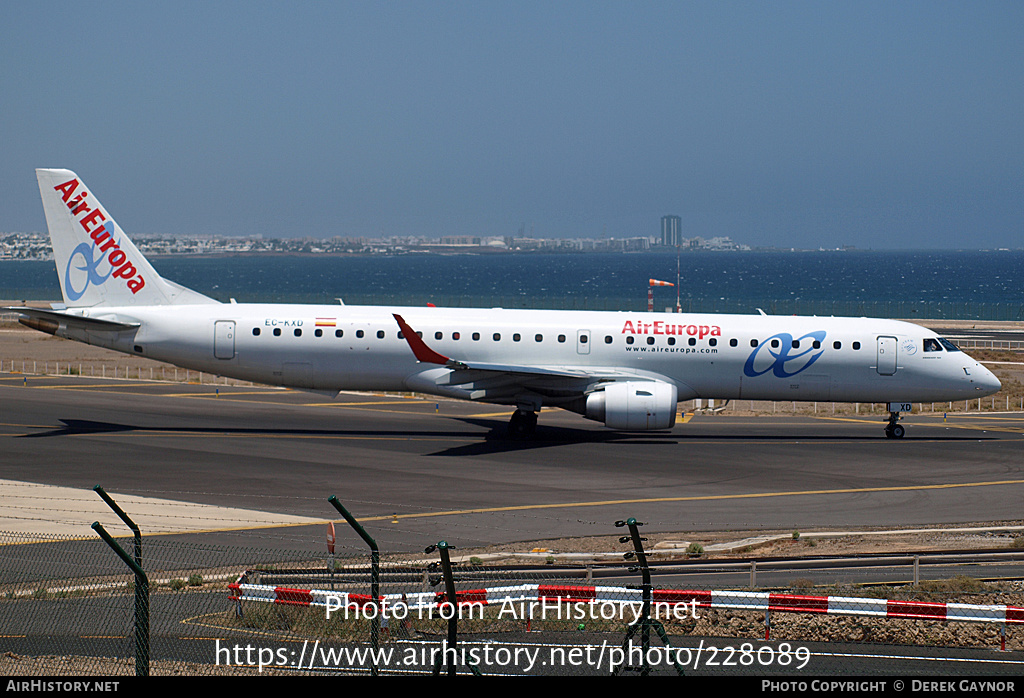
671 231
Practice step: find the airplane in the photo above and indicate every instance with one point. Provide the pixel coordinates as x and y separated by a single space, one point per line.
628 370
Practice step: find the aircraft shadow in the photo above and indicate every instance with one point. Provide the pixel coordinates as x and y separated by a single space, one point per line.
495 440
74 427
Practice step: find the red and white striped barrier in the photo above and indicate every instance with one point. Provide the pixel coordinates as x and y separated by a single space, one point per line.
666 599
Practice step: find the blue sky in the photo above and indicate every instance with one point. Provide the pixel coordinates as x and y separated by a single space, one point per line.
877 124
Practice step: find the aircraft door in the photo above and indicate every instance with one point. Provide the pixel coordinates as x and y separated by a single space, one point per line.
886 356
224 339
583 341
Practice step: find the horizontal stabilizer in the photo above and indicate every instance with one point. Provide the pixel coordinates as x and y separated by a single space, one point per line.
44 318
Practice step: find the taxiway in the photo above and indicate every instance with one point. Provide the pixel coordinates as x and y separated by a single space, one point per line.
417 471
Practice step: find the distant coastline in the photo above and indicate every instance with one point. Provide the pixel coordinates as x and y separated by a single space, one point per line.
980 285
36 246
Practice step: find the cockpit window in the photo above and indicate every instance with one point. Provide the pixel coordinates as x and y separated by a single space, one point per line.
932 344
948 345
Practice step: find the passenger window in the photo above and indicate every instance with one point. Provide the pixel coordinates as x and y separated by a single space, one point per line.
796 343
607 339
318 332
733 342
713 342
476 336
516 337
380 334
339 333
837 345
692 342
277 331
438 335
650 340
359 333
816 344
561 339
255 331
856 346
298 332
497 337
775 344
539 338
671 341
753 342
455 335
629 339
584 339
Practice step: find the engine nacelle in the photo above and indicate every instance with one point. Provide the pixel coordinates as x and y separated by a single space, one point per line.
634 405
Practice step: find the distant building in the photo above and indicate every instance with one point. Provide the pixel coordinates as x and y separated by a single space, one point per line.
720 243
671 231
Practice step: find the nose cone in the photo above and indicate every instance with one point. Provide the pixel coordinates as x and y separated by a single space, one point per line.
985 382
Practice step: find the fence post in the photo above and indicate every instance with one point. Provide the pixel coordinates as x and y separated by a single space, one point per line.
141 610
141 594
644 623
374 578
452 599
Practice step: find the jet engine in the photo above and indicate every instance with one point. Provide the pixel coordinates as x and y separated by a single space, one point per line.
634 405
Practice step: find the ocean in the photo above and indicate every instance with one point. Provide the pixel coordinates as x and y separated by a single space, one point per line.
982 285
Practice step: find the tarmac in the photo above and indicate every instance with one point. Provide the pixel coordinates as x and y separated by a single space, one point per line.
225 461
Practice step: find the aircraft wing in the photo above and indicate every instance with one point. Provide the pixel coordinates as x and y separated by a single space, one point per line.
493 382
427 355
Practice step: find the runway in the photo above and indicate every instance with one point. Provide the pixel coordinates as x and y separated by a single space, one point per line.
417 471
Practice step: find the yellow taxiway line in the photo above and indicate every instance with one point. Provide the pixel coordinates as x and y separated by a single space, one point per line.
698 498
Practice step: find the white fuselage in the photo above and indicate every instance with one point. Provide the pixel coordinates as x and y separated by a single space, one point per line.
627 370
756 357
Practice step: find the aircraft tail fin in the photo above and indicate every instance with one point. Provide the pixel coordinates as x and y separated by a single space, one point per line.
96 262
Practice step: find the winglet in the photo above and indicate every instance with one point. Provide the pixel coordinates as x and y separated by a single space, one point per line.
419 347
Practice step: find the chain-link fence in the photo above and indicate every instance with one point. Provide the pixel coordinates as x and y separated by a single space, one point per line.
68 608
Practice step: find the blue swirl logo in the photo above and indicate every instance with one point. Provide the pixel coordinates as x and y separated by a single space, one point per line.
89 265
783 359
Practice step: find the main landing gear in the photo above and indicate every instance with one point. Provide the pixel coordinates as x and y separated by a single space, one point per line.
894 430
522 424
